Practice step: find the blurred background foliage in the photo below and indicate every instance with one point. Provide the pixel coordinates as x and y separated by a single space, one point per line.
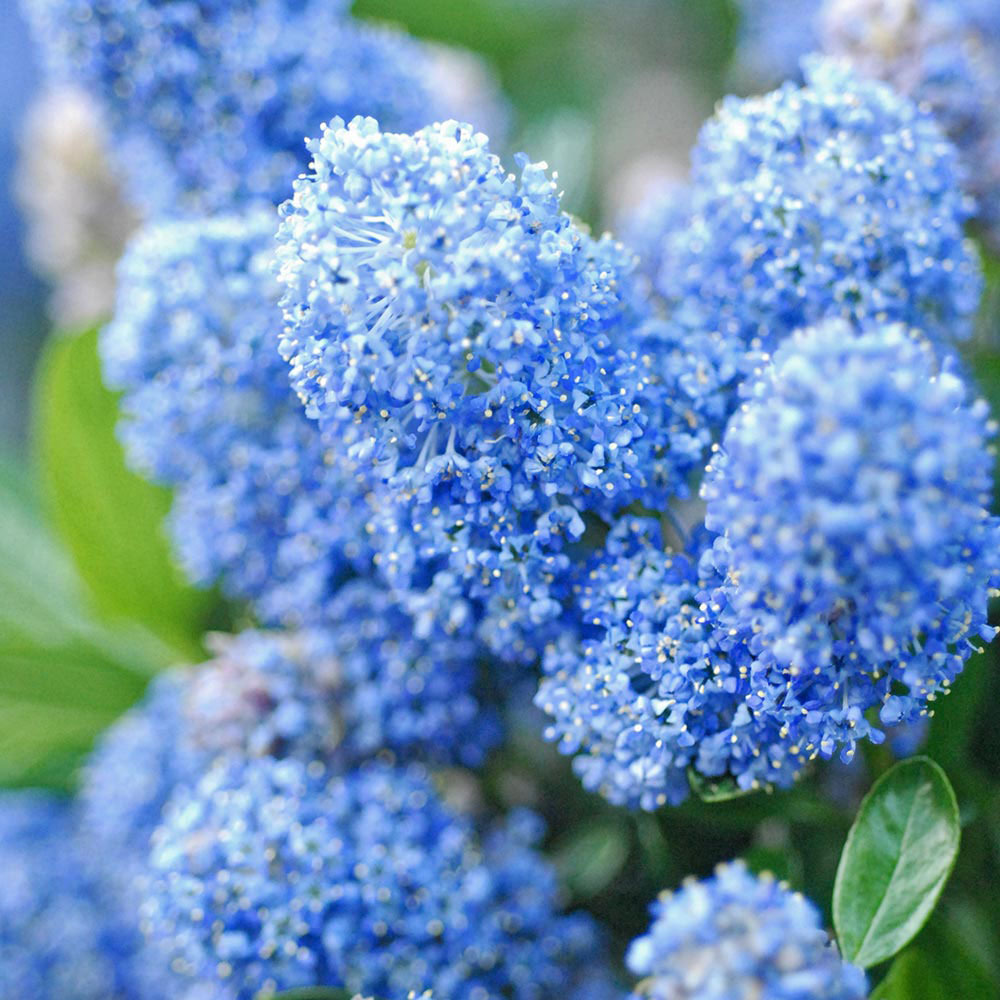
606 92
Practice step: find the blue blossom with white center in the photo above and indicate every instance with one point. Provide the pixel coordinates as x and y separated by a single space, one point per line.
259 504
834 199
56 940
850 498
945 55
646 689
490 369
209 102
774 36
275 874
736 934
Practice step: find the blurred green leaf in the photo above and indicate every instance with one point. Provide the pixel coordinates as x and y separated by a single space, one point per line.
912 977
939 966
592 856
110 519
63 677
898 856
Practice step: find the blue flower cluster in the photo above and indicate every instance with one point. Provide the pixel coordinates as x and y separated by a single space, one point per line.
945 55
836 198
341 694
740 935
259 505
271 748
55 940
436 427
850 496
209 102
274 874
850 569
487 367
649 688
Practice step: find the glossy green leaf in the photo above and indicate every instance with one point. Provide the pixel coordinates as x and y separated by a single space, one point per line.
898 856
63 676
110 519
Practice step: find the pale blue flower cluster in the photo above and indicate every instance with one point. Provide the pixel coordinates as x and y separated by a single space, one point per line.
259 505
302 714
945 55
736 934
276 873
55 938
209 103
836 198
851 500
342 694
488 368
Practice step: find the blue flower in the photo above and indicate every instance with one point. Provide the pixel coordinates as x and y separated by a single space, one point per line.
259 504
837 198
740 935
490 369
274 874
648 689
945 55
56 940
209 102
850 497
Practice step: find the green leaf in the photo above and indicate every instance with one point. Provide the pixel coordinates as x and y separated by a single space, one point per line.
715 789
940 965
898 856
913 976
591 858
63 677
110 519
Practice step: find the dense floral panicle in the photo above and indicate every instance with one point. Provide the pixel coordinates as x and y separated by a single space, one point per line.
72 204
207 410
647 688
850 496
55 938
366 880
945 55
340 694
209 102
837 198
489 368
736 934
774 36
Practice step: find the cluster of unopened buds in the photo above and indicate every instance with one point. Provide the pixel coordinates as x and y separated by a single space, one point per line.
716 496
